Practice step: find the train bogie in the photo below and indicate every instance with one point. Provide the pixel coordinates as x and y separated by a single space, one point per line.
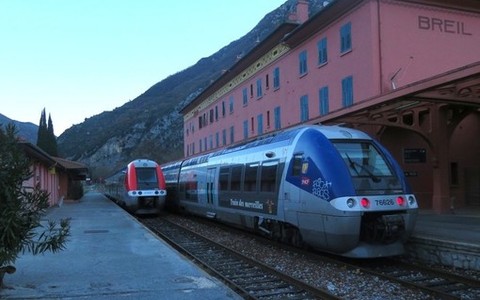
332 188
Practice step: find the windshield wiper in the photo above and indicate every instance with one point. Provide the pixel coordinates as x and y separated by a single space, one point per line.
353 165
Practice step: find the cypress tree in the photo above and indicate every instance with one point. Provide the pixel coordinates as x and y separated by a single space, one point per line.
46 139
42 132
52 139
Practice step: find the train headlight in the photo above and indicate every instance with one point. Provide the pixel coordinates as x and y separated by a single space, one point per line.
365 203
400 201
411 200
140 193
134 192
351 202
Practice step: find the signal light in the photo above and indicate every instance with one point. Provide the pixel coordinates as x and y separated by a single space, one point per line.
400 201
365 203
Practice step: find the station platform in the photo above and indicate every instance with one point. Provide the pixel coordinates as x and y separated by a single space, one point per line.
109 255
451 239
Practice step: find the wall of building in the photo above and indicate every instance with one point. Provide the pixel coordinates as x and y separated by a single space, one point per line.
393 44
46 179
419 41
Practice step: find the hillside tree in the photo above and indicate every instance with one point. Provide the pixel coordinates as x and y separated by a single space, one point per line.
22 228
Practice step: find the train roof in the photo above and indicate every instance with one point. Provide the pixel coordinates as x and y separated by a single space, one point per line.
285 137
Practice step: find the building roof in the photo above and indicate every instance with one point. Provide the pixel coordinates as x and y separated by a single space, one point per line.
76 170
258 51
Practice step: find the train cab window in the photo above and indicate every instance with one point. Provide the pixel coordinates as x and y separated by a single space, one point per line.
236 178
224 178
250 183
297 164
146 177
367 165
268 176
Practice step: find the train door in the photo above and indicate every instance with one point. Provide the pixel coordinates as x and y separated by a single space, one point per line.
211 194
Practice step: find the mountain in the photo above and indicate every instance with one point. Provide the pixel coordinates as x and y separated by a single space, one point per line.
150 126
26 130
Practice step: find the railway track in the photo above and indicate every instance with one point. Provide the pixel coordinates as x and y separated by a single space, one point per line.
439 283
249 278
436 283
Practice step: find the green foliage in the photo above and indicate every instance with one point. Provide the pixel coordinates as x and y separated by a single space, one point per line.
46 139
21 211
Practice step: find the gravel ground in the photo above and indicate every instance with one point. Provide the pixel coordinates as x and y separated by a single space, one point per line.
343 282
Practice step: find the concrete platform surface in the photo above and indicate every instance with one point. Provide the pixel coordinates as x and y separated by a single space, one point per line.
109 256
462 226
451 240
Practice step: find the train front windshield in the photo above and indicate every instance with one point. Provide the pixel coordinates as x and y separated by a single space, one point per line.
370 172
146 178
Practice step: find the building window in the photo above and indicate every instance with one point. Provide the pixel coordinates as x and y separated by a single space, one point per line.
267 82
231 104
346 37
210 138
200 145
276 115
200 122
224 136
217 139
323 100
232 137
259 88
260 124
322 51
205 143
268 119
304 108
216 113
211 116
454 177
245 97
302 62
347 91
223 108
252 124
276 78
245 129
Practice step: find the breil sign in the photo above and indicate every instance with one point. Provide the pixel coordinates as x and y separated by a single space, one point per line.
442 25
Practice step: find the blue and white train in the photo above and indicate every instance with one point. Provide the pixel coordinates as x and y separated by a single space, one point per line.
332 188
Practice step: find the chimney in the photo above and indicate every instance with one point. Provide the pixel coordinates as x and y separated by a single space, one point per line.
301 14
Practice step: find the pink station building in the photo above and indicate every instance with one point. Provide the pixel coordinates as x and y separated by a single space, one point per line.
407 72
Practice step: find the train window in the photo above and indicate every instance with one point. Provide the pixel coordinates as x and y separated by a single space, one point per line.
146 177
250 184
268 176
224 178
236 178
363 159
297 164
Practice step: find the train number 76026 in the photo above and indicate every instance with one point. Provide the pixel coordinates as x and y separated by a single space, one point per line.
384 202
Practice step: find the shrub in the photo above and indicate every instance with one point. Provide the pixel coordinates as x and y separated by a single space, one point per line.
21 229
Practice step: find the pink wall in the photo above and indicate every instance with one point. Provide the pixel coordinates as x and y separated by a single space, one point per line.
47 180
423 41
413 41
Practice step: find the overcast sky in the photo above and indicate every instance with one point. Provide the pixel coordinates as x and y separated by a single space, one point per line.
78 58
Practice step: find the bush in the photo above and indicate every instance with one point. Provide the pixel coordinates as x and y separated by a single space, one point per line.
21 211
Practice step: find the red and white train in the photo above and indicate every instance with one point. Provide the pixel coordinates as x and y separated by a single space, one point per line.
140 188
